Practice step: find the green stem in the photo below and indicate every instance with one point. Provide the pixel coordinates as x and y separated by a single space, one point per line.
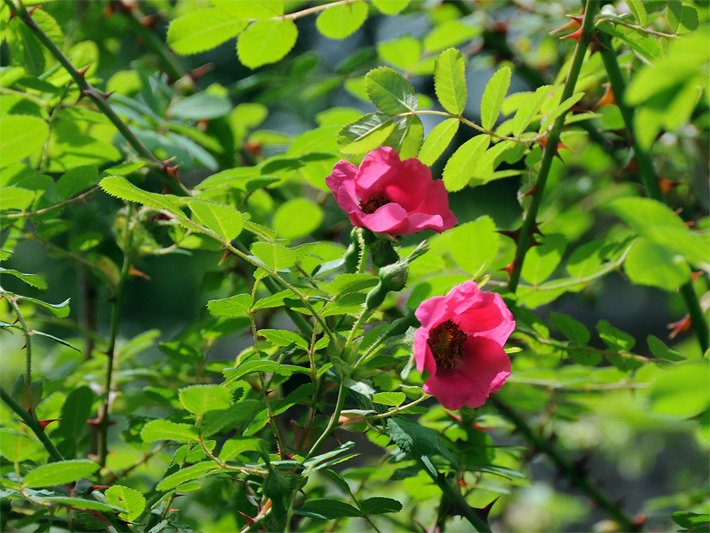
648 176
111 350
332 423
99 99
551 147
33 424
565 466
453 495
29 400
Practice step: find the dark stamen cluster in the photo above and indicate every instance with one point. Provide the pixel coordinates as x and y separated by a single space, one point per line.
446 342
373 203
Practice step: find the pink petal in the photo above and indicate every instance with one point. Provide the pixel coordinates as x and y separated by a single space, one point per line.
422 353
421 221
389 218
430 313
375 167
408 184
483 370
342 183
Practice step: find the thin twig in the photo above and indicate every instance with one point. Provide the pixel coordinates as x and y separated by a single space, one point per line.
49 209
566 467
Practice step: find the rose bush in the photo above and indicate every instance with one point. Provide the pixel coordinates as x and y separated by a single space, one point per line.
460 345
387 195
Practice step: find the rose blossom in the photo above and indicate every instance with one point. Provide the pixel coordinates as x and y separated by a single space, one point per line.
386 195
460 345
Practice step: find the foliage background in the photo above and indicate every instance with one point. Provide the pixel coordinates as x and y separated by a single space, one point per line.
629 413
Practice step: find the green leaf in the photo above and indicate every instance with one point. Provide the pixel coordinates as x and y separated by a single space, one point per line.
652 264
403 53
571 328
692 521
201 30
120 187
167 430
407 137
380 505
201 106
297 218
390 92
449 33
667 230
681 390
34 280
72 424
25 49
129 499
264 9
76 180
614 337
60 310
493 97
21 136
681 16
274 256
438 140
393 399
527 112
662 351
541 261
15 198
282 337
81 503
463 164
561 109
390 7
475 245
327 509
450 81
225 221
341 21
186 474
59 473
365 134
252 47
237 446
233 307
416 440
198 399
16 447
639 11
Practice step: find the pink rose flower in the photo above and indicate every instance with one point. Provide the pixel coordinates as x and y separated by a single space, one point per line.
460 345
386 195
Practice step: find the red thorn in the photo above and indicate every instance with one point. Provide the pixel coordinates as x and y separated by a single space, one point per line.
44 423
639 520
509 268
149 21
513 234
32 9
253 147
172 171
173 510
667 185
631 167
200 71
454 417
99 487
577 35
225 256
82 94
534 242
82 71
94 422
12 14
571 25
133 271
608 98
536 229
695 275
577 18
532 191
479 427
680 326
107 95
500 27
97 515
248 518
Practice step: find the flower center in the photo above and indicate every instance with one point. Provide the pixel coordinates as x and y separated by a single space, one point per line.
373 203
446 342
